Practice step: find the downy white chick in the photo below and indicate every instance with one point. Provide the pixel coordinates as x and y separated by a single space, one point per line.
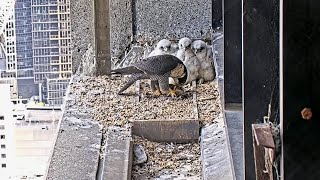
163 47
205 57
190 60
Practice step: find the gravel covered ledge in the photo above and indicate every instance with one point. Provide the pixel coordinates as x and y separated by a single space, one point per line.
87 113
93 106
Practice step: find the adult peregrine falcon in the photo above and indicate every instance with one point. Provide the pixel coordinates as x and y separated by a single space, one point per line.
158 69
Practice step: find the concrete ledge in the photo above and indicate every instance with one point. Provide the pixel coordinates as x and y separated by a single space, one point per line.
118 154
167 130
215 155
232 115
234 122
76 151
215 145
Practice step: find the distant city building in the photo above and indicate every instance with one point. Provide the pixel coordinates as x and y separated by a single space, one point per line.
8 59
25 77
7 142
37 50
51 32
6 7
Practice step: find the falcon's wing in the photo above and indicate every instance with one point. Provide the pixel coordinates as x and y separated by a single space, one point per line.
126 70
157 64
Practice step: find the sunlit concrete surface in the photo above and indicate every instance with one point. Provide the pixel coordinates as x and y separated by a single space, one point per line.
42 115
34 143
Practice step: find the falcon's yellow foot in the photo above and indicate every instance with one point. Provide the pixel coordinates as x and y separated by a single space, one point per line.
172 92
157 92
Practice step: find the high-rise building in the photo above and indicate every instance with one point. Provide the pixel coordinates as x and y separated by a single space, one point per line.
43 42
35 48
8 60
51 32
7 143
25 77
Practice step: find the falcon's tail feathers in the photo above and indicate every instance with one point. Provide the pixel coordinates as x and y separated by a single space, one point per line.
126 70
133 78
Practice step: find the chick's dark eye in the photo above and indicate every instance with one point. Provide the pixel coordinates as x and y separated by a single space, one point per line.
161 47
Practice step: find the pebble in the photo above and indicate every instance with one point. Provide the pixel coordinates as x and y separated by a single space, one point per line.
139 154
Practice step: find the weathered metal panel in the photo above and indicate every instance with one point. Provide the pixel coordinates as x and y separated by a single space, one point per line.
301 87
260 69
232 51
167 130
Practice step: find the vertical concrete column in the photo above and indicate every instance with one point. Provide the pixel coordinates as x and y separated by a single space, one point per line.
102 36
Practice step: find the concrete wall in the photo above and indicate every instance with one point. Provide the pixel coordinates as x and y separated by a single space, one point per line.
121 26
137 21
82 31
173 19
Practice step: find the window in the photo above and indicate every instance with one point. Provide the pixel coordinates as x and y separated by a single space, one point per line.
3 156
2 137
3 165
1 117
1 127
3 146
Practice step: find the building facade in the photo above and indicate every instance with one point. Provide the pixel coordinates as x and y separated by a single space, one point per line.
25 76
51 32
43 39
8 59
7 143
